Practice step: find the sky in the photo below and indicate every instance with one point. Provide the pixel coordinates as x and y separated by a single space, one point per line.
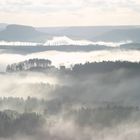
70 12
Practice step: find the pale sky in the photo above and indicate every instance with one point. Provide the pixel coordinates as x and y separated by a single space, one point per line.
70 12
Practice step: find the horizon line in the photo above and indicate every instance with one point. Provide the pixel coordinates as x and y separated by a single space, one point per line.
67 26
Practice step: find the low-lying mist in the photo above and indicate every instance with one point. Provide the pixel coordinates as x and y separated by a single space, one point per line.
70 58
89 101
64 40
26 84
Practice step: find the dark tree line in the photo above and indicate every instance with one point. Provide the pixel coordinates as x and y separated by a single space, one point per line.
105 66
96 67
29 65
107 116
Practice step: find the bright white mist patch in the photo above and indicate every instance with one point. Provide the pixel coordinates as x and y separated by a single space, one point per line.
65 41
26 84
18 43
71 58
59 41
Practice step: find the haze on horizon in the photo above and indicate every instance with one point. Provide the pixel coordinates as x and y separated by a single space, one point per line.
70 12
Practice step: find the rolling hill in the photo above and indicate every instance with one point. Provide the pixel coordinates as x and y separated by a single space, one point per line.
22 33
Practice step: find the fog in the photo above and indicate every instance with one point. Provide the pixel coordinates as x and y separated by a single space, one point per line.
70 58
26 84
64 40
83 104
95 96
18 43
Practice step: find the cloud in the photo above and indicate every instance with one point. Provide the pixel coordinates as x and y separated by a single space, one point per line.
64 12
71 58
47 5
64 40
109 4
66 5
38 6
27 84
79 99
74 102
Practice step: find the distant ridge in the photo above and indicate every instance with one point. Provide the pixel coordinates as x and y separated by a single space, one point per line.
3 26
26 33
96 33
22 33
121 34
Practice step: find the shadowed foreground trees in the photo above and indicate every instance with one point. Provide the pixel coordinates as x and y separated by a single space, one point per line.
12 123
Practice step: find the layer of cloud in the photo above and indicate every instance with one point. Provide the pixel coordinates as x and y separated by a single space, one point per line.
64 12
64 40
71 58
48 5
76 109
76 102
